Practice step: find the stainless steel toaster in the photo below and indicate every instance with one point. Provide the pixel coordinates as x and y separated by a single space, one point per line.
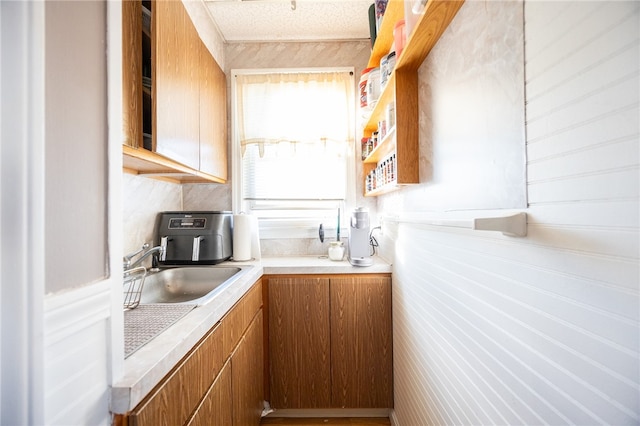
194 238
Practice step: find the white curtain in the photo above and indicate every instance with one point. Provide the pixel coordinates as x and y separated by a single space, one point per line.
303 107
294 131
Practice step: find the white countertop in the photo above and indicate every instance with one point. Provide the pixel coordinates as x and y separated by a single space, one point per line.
146 367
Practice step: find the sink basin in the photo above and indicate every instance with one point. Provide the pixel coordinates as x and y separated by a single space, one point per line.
193 285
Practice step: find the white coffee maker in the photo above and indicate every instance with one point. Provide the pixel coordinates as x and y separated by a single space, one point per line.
359 249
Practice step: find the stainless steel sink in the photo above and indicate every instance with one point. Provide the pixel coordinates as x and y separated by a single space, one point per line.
193 284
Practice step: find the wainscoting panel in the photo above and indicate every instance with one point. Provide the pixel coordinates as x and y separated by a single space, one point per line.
490 329
76 356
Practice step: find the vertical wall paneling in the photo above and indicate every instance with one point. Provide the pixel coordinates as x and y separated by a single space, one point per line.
75 356
544 329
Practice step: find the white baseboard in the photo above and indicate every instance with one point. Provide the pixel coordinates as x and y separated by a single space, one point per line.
330 412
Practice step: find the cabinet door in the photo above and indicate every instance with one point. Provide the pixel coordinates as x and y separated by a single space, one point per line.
132 73
246 372
361 343
213 116
176 397
216 407
299 351
176 100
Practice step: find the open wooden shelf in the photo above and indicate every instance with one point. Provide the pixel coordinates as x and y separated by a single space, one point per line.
402 87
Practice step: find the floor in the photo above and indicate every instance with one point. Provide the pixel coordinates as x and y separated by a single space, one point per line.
359 421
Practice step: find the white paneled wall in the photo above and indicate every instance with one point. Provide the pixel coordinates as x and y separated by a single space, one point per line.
490 329
75 351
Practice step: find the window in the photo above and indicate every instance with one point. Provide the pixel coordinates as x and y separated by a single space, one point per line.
293 146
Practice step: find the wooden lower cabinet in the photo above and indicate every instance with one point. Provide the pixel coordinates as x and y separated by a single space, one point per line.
236 396
299 347
216 407
173 400
361 343
246 372
330 341
220 382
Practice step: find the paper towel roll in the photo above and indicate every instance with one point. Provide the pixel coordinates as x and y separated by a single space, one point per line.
242 224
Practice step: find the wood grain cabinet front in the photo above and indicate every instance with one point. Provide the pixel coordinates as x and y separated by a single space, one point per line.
217 406
246 369
330 342
361 343
219 382
299 345
174 97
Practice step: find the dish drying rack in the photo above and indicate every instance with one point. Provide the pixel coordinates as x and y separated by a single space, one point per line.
133 283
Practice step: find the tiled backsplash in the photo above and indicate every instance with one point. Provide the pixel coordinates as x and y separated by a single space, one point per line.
143 198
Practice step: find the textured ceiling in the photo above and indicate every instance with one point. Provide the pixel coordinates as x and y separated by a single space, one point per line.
274 20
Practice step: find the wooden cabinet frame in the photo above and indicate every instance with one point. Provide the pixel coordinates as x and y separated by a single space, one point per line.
188 99
329 341
220 378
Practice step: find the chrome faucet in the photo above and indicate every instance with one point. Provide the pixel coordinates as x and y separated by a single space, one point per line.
127 260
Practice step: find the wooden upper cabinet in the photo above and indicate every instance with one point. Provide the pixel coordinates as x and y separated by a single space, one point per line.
132 73
176 88
213 116
175 121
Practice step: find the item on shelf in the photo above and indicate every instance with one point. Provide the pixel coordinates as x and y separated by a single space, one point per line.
399 37
383 174
374 140
381 7
362 86
387 64
373 32
146 82
366 144
412 11
146 20
147 142
391 115
373 87
382 129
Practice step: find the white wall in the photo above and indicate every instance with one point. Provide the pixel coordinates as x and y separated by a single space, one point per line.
76 128
60 187
82 340
490 329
